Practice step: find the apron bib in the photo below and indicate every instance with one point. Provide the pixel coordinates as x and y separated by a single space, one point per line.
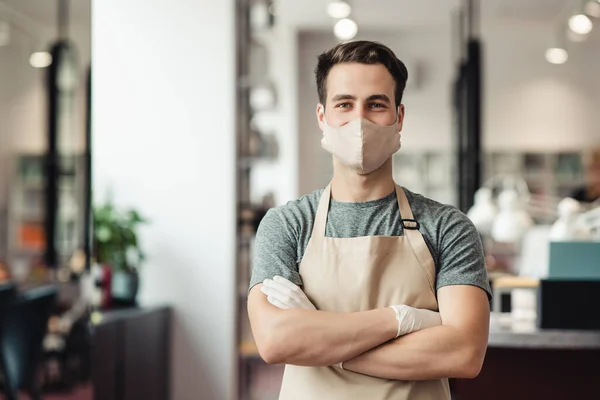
360 274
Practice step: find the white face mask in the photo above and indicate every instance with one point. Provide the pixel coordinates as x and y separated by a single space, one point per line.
362 144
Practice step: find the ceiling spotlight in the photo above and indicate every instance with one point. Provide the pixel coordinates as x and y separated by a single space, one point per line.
556 55
338 9
576 37
581 24
345 29
40 59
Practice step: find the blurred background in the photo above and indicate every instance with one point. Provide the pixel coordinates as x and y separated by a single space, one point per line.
142 142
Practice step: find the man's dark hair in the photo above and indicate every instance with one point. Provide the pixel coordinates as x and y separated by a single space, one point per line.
363 52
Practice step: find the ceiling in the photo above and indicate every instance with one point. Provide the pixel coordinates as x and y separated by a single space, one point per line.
399 14
307 14
42 14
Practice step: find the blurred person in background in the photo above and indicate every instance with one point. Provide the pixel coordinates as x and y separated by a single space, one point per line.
364 289
590 192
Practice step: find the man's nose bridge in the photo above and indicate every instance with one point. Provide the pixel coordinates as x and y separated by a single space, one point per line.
361 110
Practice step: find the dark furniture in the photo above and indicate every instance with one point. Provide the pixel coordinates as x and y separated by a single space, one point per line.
130 354
23 325
528 363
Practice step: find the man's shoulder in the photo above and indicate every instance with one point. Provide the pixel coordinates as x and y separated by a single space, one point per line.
426 208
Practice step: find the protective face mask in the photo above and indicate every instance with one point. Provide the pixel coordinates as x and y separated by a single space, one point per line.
362 144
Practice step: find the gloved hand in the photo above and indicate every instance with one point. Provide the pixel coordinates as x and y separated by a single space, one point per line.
284 294
412 319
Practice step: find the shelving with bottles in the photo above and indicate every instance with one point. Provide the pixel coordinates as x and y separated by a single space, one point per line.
551 174
26 241
433 173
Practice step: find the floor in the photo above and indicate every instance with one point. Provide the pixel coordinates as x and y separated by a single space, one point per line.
83 393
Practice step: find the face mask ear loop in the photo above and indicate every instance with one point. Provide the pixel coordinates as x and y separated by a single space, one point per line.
324 120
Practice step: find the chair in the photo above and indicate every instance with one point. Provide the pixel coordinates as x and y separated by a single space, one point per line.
8 292
23 325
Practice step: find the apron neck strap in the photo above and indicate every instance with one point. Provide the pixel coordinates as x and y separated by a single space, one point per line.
322 211
405 210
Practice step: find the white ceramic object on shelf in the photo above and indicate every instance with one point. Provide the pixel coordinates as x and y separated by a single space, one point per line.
568 226
484 210
512 221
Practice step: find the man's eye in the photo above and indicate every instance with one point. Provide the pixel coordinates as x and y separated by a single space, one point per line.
377 105
344 105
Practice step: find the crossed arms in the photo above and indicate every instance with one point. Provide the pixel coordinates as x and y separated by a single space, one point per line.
365 341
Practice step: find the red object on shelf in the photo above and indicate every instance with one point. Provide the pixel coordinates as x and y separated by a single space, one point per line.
106 287
31 236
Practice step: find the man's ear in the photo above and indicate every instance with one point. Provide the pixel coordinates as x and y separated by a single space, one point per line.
321 116
400 117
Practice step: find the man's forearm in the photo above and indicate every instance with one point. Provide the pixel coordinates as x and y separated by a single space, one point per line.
320 338
433 353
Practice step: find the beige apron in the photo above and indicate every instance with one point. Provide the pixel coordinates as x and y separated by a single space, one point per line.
359 274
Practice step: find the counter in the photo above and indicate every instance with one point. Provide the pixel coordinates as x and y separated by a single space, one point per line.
523 362
506 333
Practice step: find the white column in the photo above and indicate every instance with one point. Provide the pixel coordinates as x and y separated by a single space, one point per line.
164 142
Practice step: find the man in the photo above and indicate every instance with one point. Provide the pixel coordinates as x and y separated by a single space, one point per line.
590 192
347 281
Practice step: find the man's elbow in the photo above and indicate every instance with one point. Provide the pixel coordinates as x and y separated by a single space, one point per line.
270 350
472 363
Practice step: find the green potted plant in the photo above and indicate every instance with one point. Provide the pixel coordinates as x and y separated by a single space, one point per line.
117 247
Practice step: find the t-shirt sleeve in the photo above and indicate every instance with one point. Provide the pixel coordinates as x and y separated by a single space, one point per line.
275 250
461 257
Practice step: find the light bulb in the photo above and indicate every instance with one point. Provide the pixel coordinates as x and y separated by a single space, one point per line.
556 55
40 59
592 8
338 9
581 24
345 29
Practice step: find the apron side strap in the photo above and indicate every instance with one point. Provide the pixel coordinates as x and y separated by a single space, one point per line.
421 251
411 230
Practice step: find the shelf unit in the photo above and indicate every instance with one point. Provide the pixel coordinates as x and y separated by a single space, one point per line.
26 239
25 226
256 380
548 174
552 174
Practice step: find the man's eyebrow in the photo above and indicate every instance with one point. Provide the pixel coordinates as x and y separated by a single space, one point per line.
339 97
381 97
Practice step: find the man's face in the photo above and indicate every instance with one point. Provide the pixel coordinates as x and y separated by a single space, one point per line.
359 90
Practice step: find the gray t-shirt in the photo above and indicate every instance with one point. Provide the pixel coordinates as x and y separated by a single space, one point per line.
452 239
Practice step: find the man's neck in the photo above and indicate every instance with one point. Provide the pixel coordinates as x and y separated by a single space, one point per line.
348 186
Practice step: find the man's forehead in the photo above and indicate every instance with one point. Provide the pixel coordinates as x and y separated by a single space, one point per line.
347 78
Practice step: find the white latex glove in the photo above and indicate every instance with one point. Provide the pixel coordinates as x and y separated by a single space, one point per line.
284 294
412 319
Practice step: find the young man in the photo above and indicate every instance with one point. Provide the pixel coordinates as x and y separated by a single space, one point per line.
364 289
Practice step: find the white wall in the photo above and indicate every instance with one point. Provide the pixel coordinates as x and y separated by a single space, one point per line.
164 141
532 104
529 104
